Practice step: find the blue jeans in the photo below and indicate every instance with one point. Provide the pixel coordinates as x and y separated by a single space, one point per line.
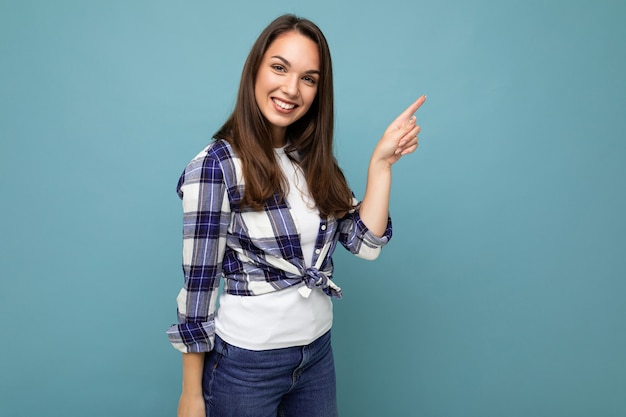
290 382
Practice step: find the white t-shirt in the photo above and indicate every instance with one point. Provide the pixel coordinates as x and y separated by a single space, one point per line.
281 318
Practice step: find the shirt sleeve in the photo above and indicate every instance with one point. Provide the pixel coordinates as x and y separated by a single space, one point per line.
206 215
358 239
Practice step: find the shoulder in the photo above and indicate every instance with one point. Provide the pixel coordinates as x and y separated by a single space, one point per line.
223 154
220 150
216 164
218 155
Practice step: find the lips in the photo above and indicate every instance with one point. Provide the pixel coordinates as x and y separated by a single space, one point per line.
283 104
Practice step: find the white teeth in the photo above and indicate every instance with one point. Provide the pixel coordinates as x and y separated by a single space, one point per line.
283 105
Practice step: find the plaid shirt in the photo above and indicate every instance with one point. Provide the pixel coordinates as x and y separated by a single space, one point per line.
256 251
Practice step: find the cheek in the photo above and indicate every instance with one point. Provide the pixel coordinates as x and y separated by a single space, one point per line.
261 83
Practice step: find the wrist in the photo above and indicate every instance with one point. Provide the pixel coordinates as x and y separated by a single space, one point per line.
191 392
379 165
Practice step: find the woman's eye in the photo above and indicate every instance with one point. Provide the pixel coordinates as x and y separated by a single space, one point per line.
309 79
279 68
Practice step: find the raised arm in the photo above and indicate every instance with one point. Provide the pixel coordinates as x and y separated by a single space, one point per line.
399 139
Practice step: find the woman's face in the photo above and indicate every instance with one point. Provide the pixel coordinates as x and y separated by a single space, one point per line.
286 83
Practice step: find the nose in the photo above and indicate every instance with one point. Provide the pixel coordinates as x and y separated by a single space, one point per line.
291 86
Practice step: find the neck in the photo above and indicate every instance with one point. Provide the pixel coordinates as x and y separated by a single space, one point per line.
278 136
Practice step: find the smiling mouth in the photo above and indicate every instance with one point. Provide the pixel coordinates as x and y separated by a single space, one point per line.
283 105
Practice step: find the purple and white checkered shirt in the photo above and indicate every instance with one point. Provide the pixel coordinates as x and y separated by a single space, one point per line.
255 251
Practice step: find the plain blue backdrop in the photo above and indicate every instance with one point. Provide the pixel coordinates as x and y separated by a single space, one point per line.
502 292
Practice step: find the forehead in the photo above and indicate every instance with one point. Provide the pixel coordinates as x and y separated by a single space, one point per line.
295 48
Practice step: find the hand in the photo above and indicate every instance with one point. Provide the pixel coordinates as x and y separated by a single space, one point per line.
191 406
400 137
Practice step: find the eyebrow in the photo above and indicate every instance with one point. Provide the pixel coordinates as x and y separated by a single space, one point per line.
287 63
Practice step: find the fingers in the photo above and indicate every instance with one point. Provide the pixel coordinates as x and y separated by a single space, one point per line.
409 136
416 104
406 114
401 135
409 149
409 142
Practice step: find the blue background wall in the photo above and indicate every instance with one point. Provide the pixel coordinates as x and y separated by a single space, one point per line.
502 292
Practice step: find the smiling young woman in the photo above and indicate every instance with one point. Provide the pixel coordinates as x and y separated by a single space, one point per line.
264 206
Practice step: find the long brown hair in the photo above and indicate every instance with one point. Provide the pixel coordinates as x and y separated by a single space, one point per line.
311 136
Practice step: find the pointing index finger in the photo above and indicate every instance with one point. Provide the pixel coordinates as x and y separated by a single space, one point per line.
413 107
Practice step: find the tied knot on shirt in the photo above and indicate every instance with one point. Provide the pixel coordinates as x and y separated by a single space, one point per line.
313 278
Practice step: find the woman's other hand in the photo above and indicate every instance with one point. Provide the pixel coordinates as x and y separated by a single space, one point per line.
191 406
